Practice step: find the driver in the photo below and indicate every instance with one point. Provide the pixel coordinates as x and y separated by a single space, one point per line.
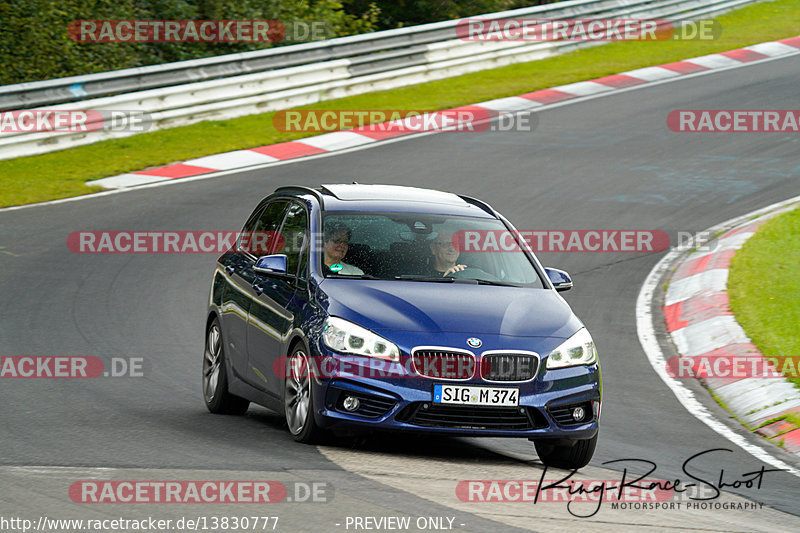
445 255
337 242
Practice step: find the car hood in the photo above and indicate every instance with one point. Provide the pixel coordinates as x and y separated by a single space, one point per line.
449 307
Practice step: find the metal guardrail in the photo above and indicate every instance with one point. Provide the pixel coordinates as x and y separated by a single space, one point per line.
359 48
279 78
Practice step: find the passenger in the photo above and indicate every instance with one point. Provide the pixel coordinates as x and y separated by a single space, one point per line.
445 255
337 242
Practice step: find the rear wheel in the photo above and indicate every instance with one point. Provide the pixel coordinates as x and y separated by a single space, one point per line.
297 399
566 455
215 377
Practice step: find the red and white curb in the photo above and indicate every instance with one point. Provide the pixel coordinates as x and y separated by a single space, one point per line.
341 140
698 318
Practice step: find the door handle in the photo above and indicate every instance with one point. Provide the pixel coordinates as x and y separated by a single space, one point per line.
258 289
229 269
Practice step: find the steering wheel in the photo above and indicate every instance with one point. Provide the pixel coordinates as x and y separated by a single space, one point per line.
474 273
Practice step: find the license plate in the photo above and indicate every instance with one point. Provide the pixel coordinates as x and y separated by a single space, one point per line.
466 395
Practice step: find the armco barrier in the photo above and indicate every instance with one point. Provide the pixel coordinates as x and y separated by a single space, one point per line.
234 85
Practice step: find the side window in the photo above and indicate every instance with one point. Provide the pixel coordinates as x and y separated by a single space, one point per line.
294 237
261 237
243 239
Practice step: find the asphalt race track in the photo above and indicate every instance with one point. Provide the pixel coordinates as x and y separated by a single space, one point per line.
603 163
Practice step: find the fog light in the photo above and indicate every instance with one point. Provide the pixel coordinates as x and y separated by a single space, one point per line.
350 403
578 414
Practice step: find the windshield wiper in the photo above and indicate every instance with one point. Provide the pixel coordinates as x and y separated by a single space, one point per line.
497 283
355 276
412 277
447 279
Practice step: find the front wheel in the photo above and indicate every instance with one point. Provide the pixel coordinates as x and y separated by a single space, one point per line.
298 401
215 377
569 456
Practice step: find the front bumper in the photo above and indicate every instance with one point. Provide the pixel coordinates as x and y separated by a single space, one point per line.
393 397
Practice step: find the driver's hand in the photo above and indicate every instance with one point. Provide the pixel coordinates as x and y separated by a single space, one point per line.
454 269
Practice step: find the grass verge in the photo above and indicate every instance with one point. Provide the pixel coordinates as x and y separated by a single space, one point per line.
764 289
63 173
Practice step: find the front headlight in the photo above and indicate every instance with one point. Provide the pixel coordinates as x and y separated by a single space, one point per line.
577 350
345 337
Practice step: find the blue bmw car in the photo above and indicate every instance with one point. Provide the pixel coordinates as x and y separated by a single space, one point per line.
376 307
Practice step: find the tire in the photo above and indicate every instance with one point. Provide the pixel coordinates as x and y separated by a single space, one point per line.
298 402
569 457
215 376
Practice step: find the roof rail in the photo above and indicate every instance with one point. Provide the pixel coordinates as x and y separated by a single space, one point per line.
327 191
302 189
479 203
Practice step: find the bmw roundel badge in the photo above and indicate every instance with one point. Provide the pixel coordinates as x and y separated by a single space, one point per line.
474 342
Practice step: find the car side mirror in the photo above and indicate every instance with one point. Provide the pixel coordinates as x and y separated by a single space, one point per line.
271 264
560 279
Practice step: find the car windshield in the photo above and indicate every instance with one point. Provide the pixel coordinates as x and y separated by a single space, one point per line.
417 247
